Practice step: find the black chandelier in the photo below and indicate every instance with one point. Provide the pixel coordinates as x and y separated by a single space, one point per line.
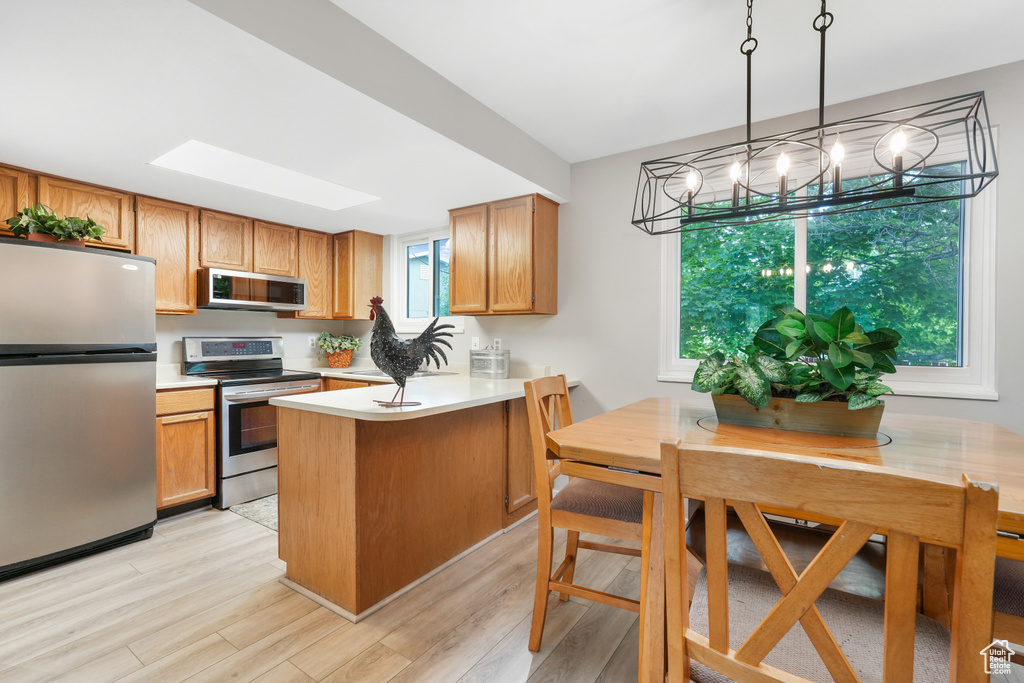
929 152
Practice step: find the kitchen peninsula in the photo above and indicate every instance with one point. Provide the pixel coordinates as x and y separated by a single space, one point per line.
372 499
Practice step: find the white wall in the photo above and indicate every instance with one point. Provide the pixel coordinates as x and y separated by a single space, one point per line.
606 331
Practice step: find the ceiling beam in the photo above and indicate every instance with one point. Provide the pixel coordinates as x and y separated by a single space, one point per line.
322 35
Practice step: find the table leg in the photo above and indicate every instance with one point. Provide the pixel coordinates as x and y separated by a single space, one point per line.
652 593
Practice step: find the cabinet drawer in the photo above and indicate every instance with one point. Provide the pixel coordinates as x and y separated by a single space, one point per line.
183 401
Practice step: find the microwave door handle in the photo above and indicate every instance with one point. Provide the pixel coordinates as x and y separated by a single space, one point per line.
255 395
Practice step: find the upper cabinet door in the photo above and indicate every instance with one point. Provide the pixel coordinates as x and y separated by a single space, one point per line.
511 267
275 249
467 291
358 273
226 241
111 209
169 233
16 192
315 267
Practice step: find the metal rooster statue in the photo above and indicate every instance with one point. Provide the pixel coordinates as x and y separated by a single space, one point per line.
398 358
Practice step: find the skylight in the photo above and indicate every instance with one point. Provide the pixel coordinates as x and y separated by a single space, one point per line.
213 163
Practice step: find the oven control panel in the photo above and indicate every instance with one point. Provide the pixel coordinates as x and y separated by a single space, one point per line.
198 349
237 348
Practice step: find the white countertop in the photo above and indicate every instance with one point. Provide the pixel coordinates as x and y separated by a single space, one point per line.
170 377
440 394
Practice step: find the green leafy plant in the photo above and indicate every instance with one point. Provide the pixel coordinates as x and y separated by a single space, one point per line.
43 220
809 358
328 343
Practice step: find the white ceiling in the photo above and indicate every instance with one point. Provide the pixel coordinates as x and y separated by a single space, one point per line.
120 82
588 78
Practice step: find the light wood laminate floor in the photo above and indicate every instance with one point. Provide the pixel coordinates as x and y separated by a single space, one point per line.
201 601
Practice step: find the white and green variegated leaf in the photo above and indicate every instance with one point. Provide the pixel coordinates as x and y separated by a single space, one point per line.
752 386
877 389
710 374
773 369
862 401
809 398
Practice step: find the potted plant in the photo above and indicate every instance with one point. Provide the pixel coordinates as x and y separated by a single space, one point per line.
797 360
339 349
41 224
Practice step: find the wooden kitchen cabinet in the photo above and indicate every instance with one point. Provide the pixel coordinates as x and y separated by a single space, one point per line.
275 249
335 384
186 446
467 267
504 257
169 233
316 253
110 208
225 241
17 191
520 485
358 258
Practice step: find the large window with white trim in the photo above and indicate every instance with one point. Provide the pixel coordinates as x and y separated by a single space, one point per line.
924 270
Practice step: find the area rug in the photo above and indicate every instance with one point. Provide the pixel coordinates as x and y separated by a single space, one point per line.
262 510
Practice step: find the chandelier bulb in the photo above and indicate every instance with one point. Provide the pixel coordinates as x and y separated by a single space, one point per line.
838 152
691 181
782 165
898 143
735 171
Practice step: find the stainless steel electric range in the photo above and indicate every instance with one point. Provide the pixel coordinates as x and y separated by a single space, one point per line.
249 372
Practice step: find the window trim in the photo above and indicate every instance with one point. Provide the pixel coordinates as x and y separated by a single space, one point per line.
976 379
399 276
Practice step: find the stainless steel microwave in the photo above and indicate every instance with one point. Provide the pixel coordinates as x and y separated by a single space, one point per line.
241 291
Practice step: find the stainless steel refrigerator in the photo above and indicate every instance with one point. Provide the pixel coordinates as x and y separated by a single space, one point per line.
77 402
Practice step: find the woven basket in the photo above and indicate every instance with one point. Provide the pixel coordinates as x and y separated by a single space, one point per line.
342 359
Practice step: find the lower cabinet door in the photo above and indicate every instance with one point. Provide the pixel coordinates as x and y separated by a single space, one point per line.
520 485
186 457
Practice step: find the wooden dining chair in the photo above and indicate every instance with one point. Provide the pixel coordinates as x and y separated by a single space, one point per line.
581 506
740 625
1008 601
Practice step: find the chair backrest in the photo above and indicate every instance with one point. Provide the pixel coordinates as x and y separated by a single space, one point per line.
548 408
908 508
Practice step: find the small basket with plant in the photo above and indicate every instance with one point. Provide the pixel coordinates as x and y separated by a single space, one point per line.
797 360
41 224
339 349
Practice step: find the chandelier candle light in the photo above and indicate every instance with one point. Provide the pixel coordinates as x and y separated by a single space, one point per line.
928 152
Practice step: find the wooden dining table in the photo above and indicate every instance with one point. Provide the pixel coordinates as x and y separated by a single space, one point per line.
623 447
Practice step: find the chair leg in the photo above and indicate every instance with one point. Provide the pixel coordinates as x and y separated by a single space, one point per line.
545 542
572 542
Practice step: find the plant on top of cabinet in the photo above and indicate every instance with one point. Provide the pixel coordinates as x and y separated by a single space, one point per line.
43 225
339 349
110 208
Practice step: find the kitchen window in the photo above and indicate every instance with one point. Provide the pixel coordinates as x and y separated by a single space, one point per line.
420 281
926 271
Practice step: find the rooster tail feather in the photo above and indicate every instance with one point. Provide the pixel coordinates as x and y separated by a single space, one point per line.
442 341
432 355
438 349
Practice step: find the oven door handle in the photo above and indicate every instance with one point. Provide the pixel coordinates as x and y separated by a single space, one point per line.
256 395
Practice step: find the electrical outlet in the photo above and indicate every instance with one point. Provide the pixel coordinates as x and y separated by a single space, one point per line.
497 343
474 344
312 342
